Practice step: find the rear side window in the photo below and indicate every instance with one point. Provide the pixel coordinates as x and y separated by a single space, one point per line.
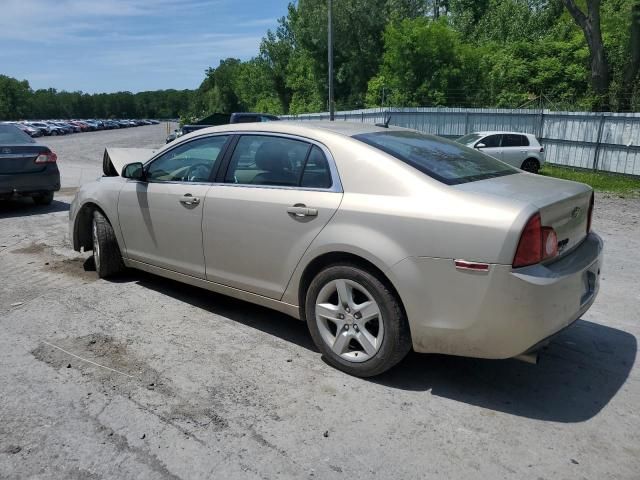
514 140
316 171
278 161
444 160
12 135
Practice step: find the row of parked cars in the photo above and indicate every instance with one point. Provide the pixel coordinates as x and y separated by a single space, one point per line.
42 128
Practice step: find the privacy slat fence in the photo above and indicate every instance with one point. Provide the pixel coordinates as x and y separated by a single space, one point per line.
599 141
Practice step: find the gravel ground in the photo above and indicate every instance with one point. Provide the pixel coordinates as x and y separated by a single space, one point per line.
146 378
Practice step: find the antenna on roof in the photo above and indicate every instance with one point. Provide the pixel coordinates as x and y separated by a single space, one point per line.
386 122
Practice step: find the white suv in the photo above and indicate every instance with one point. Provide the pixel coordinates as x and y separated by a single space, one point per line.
521 150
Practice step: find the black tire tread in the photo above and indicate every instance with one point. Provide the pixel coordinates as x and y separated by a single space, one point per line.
43 198
536 169
110 255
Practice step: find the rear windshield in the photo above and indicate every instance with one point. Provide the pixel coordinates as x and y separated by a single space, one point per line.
444 160
11 135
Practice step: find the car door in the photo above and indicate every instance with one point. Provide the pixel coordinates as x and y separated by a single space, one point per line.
161 217
490 145
277 194
514 149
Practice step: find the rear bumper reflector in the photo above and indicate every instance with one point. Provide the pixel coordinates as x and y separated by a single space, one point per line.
472 266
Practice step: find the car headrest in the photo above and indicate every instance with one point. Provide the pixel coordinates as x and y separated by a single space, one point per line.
270 157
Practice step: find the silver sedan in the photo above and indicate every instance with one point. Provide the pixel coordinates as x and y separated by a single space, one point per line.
380 239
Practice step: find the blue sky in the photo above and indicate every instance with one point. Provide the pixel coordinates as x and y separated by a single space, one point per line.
134 45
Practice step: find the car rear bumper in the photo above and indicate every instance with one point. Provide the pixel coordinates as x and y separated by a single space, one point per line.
20 184
499 314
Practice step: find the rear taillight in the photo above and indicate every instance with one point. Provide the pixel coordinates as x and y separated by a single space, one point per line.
537 243
48 157
541 149
591 202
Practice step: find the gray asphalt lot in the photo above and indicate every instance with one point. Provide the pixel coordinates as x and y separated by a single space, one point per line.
145 378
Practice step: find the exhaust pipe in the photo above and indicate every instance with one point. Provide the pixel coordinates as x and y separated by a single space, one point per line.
531 357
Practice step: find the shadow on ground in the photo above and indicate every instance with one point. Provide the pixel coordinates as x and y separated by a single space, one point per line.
579 372
24 207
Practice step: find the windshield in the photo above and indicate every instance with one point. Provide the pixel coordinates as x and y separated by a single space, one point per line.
10 135
444 160
469 138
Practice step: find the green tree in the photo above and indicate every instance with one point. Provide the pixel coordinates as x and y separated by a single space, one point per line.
425 63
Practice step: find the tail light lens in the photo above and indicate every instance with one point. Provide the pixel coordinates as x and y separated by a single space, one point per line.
591 203
541 149
537 243
48 157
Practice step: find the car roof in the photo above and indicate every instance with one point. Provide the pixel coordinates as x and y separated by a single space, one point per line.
501 132
298 127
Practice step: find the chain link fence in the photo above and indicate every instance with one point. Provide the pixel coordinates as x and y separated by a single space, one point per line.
599 141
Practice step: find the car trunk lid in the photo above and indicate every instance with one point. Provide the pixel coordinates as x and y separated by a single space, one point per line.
563 205
21 159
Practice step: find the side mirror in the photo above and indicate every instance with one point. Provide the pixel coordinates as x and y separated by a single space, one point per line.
134 171
480 145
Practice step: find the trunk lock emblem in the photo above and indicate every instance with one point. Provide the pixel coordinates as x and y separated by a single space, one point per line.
575 213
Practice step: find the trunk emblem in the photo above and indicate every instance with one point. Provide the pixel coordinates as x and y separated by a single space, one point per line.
575 213
6 150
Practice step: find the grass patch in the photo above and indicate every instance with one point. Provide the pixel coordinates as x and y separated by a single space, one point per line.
623 185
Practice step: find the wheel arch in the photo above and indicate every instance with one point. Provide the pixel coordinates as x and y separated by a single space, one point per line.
324 260
82 226
532 159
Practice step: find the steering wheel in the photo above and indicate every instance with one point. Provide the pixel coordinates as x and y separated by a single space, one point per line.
198 172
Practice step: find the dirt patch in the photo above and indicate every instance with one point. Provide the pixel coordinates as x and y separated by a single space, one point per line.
34 248
117 370
76 267
52 262
104 358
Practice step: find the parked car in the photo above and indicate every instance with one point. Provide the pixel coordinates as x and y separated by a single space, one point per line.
248 117
81 125
32 132
220 119
381 239
44 128
66 128
26 167
521 150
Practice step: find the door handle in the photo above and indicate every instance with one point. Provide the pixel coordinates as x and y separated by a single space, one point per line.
301 210
189 200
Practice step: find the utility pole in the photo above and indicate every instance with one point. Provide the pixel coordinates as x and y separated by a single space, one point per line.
330 49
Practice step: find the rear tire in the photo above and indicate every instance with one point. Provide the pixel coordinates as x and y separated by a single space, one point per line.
106 253
43 199
356 321
531 165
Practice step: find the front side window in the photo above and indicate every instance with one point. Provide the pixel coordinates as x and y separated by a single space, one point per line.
492 141
190 162
444 160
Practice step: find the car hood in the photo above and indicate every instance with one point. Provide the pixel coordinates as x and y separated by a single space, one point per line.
115 159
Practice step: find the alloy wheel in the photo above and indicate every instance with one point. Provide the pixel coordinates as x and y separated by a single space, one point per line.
349 320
